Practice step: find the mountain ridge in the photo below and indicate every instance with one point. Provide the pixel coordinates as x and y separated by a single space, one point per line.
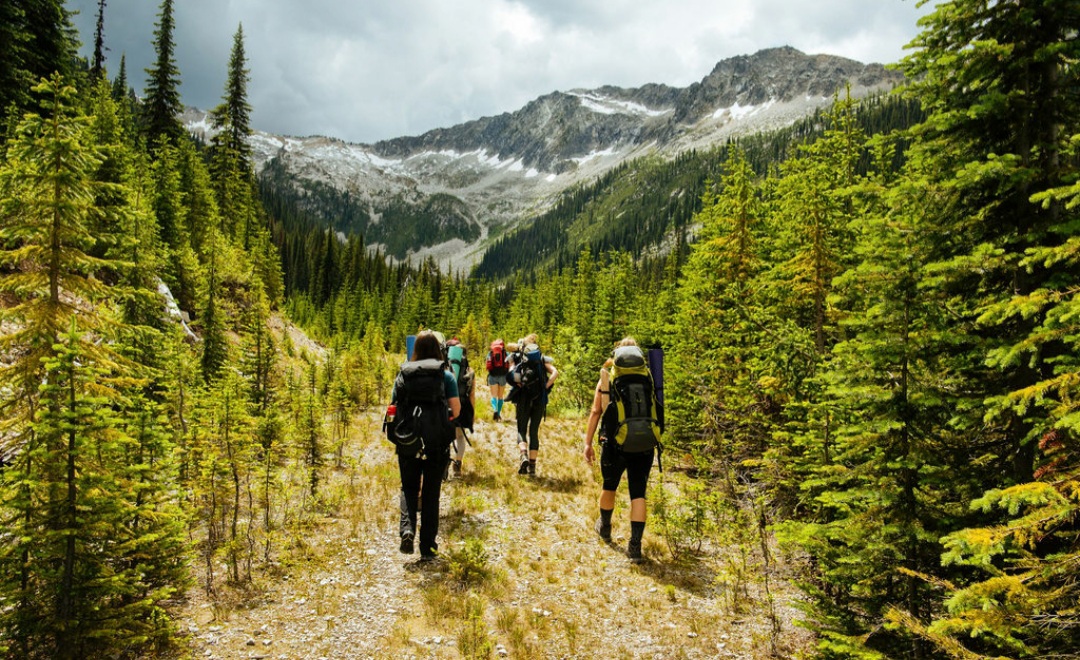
508 167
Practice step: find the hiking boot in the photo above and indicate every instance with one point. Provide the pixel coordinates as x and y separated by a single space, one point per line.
532 468
406 543
633 550
496 417
604 531
457 468
524 467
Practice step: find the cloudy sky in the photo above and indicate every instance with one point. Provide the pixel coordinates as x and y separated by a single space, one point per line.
377 69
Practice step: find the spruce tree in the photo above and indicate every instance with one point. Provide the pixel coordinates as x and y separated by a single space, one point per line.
233 116
36 41
77 589
998 81
162 107
883 479
97 66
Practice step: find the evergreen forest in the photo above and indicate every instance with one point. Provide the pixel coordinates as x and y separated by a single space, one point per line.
870 323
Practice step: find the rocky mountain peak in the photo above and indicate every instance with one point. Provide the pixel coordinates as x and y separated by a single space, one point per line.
487 174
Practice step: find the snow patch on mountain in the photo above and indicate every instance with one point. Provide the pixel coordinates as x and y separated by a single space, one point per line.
738 112
608 106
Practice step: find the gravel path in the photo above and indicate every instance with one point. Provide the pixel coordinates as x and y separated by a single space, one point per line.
559 591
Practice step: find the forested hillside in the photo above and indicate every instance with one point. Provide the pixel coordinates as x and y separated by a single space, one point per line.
868 321
648 205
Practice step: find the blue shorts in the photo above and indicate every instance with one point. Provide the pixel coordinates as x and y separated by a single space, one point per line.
497 380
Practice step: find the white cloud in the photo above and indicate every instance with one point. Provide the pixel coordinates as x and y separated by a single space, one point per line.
372 71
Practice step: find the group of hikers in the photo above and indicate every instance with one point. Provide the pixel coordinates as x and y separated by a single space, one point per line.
432 409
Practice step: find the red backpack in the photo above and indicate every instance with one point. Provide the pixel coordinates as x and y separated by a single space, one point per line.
496 359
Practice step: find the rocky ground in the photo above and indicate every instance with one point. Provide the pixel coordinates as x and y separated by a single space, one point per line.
538 583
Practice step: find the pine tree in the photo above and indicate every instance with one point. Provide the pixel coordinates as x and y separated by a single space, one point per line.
36 41
233 116
882 480
97 66
215 346
998 81
77 589
162 106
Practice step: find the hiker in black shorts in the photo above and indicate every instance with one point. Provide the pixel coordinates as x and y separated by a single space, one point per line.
613 462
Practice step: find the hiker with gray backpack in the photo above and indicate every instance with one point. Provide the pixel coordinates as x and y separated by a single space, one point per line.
630 417
419 422
531 377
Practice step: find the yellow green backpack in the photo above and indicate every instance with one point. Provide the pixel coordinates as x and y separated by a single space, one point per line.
634 416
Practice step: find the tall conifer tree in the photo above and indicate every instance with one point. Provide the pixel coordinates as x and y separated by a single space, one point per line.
74 590
999 82
162 106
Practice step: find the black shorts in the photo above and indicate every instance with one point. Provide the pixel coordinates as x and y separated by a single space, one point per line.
614 461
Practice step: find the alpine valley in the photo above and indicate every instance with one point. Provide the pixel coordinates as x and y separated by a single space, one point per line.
451 192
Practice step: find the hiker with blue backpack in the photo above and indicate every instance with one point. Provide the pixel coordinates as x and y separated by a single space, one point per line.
531 377
457 356
630 418
419 421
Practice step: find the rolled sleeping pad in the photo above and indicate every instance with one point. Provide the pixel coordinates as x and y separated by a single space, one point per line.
410 342
656 368
454 354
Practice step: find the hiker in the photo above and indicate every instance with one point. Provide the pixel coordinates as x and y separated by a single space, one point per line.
531 377
497 364
614 460
465 378
423 404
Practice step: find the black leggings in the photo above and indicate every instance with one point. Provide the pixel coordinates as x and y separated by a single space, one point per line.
421 481
529 416
613 462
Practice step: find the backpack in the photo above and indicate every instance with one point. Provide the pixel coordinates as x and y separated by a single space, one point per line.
459 364
496 359
422 423
527 377
634 417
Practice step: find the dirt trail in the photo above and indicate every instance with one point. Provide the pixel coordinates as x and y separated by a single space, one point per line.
555 589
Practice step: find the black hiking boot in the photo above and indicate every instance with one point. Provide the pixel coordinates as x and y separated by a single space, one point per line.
633 550
406 543
604 531
532 468
524 467
457 468
496 417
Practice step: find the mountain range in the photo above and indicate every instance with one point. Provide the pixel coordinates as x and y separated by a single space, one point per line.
447 192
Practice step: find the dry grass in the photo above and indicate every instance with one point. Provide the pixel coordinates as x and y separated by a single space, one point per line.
522 575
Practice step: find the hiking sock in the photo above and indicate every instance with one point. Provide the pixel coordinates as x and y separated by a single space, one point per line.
498 405
603 524
637 529
494 406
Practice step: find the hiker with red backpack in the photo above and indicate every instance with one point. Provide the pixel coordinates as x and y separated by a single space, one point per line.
531 377
498 365
630 418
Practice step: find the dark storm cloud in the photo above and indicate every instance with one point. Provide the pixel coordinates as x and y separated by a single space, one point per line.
376 70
